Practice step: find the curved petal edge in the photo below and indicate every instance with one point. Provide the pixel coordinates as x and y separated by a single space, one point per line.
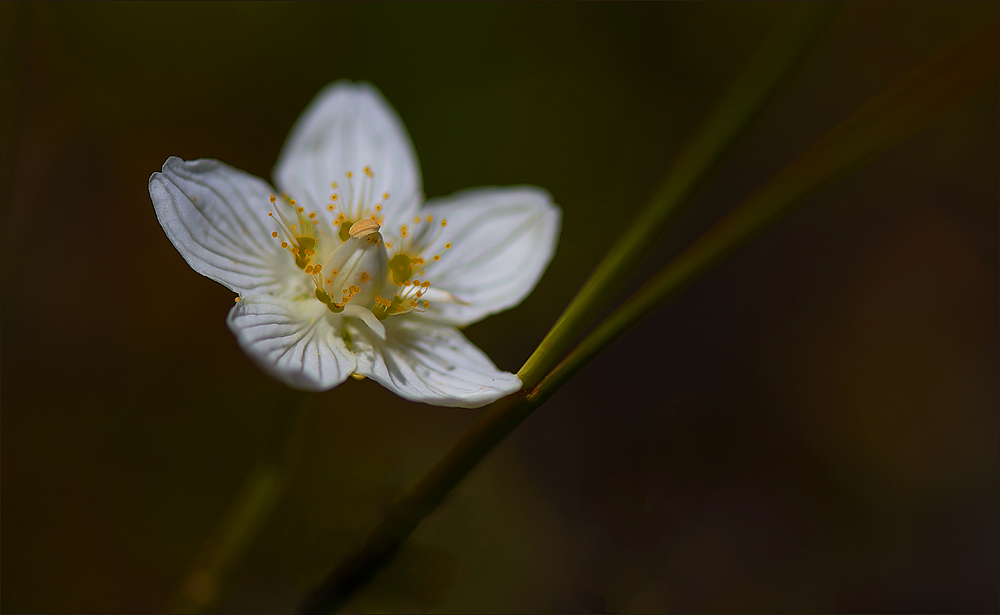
293 341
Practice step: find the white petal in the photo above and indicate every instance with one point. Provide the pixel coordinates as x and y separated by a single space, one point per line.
295 342
216 217
430 363
502 241
346 127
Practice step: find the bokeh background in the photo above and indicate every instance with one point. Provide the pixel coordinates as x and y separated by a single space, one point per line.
811 427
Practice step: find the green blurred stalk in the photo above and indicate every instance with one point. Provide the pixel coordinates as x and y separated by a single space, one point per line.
224 553
767 68
901 110
935 86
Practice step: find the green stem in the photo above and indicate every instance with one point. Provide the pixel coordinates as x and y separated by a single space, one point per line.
769 66
225 551
902 109
358 566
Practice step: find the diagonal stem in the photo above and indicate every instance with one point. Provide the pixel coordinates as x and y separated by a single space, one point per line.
935 86
766 70
902 109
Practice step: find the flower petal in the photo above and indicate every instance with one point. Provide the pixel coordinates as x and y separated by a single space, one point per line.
295 342
502 239
347 127
430 363
216 217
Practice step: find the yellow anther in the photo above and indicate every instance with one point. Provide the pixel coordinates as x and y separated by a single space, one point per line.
291 202
378 207
334 197
416 220
237 300
309 269
444 222
364 227
274 234
330 208
427 304
430 218
350 175
365 276
300 209
437 257
385 196
273 198
333 185
402 230
284 244
368 171
425 284
447 246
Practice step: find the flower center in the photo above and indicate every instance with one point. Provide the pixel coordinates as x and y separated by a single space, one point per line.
355 205
355 272
359 276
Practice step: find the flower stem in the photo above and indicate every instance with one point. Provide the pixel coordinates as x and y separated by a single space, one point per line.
902 109
773 61
215 568
938 84
358 567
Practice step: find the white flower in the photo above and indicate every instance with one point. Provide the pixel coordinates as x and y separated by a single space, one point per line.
349 271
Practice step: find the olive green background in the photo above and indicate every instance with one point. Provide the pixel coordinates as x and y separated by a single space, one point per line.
811 427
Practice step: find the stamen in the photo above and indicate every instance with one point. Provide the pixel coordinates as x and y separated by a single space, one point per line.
299 239
357 205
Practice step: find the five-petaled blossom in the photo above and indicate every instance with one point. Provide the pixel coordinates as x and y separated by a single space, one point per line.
347 271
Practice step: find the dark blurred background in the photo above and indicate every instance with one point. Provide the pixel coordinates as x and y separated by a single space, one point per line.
811 427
